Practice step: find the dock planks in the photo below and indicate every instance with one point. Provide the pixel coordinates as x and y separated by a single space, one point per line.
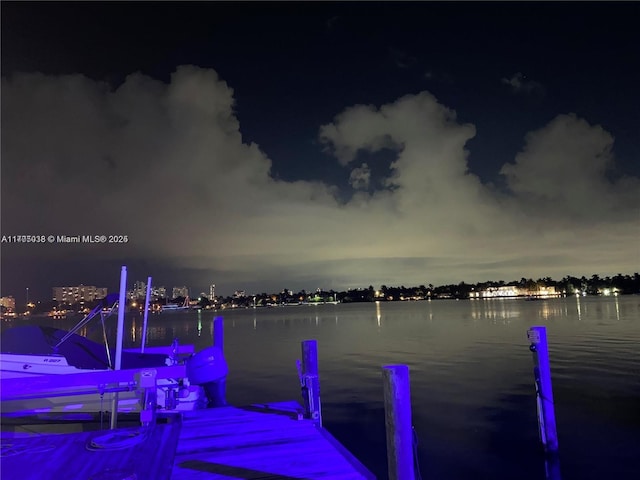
231 443
261 442
70 456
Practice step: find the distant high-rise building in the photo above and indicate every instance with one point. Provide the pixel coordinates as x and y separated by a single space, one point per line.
81 293
158 292
139 291
212 291
180 292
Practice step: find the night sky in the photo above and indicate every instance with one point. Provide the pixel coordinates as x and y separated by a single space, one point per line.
262 146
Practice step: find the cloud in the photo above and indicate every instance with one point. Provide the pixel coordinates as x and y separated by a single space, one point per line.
360 177
565 165
166 164
520 84
163 163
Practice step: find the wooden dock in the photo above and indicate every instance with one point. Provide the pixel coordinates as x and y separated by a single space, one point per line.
227 443
125 454
283 441
260 442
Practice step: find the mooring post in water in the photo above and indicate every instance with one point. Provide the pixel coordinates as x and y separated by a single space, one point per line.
310 381
544 393
397 415
122 305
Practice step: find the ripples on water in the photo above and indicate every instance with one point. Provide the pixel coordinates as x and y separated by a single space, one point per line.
471 377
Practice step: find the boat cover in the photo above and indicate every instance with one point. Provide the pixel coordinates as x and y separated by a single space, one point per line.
79 351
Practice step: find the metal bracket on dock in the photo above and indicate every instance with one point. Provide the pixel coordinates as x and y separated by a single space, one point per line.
146 381
310 381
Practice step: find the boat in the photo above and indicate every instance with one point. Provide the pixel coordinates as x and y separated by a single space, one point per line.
175 307
31 351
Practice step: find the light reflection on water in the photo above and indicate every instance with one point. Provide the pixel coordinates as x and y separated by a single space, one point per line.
493 309
471 376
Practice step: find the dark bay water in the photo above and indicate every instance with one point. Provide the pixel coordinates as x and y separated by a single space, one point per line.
472 388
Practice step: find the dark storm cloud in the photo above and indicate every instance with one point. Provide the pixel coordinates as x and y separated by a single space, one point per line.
166 164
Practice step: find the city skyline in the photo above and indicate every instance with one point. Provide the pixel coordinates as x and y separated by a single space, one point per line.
270 145
138 288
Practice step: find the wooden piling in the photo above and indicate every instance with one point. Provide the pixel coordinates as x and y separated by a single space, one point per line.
310 381
397 413
542 375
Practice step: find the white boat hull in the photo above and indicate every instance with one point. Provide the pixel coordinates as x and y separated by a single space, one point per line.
189 397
